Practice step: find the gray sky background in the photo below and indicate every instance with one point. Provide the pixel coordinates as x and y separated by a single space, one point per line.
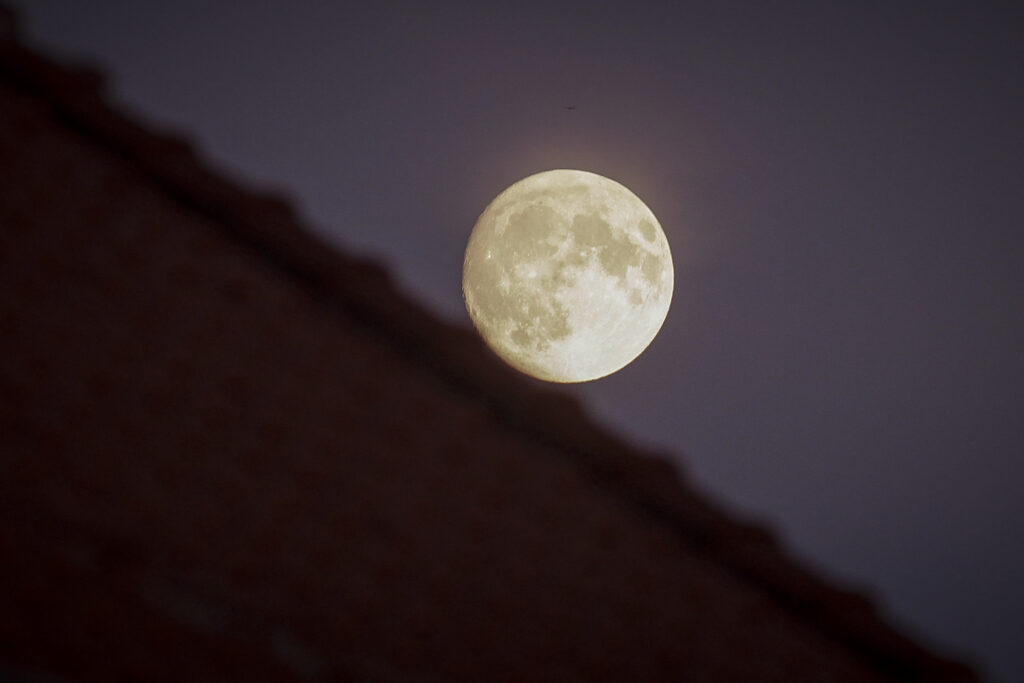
842 185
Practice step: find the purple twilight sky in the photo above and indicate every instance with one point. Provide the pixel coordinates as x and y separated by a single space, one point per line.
842 185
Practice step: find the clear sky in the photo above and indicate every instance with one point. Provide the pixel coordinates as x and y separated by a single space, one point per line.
842 184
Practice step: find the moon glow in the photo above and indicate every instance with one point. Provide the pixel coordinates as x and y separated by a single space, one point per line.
568 276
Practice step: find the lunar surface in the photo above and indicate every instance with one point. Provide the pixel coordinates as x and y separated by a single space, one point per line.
568 276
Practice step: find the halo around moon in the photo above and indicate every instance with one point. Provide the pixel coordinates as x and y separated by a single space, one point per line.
568 276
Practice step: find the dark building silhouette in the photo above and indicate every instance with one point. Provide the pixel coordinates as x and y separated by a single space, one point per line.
230 453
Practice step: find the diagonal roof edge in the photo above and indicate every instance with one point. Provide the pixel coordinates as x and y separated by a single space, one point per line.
266 226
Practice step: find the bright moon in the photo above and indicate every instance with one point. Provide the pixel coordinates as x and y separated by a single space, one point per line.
568 276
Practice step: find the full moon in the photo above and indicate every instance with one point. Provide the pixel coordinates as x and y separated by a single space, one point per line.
568 276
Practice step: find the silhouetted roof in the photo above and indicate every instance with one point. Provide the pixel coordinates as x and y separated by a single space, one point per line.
266 227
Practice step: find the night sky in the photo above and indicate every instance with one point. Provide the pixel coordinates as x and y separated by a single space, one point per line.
842 185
